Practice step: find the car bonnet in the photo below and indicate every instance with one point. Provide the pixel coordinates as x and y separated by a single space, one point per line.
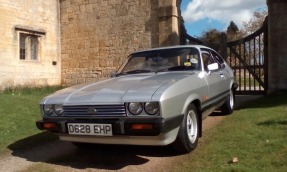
127 88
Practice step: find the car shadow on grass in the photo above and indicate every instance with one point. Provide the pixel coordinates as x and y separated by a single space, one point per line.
261 101
105 157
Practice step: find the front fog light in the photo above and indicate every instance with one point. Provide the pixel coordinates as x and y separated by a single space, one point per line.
152 108
48 109
135 108
59 109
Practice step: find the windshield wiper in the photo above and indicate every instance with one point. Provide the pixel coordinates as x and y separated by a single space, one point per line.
134 72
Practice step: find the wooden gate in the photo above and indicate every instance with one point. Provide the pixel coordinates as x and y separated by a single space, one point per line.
248 57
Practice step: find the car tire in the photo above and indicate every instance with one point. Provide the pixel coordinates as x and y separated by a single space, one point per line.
187 138
228 106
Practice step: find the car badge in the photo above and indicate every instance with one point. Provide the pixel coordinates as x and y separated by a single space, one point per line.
92 110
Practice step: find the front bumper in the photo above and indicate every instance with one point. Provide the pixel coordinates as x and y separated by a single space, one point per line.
120 126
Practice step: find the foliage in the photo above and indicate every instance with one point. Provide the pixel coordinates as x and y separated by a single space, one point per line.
232 31
254 23
232 28
212 38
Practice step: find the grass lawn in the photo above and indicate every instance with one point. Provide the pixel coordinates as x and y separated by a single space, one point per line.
19 109
256 134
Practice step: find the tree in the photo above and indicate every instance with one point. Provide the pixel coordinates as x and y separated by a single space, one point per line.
232 28
211 38
254 23
232 31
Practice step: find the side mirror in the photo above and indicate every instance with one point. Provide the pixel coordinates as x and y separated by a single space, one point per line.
213 66
113 74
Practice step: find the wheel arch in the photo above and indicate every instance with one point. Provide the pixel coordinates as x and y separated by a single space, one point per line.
197 105
234 86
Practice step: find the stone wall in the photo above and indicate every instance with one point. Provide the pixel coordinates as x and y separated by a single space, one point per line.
277 43
37 17
97 36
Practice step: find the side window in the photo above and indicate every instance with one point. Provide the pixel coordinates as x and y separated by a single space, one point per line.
207 59
218 58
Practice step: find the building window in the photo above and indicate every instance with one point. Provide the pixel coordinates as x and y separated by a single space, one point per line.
29 46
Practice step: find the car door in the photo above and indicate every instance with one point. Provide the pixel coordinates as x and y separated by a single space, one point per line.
224 69
216 79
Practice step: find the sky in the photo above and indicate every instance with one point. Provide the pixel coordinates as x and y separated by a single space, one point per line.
203 15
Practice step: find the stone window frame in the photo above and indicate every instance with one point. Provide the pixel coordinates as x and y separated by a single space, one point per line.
29 44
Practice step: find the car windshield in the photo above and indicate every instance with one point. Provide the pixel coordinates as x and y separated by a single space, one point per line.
176 59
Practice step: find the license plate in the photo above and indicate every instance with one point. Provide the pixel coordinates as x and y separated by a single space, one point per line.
90 129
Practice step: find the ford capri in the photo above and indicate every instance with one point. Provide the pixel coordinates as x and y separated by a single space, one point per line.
157 97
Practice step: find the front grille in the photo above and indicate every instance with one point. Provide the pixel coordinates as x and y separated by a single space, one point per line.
95 110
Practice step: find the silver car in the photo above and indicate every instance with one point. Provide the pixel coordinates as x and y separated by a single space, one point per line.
158 97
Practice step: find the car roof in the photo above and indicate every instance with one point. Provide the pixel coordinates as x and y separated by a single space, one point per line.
174 47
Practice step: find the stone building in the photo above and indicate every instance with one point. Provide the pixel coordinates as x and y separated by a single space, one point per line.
29 43
97 35
51 42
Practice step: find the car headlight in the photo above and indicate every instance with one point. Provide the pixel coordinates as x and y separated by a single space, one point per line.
151 108
59 109
135 108
48 109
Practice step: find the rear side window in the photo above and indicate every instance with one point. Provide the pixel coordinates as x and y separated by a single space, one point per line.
217 57
207 58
